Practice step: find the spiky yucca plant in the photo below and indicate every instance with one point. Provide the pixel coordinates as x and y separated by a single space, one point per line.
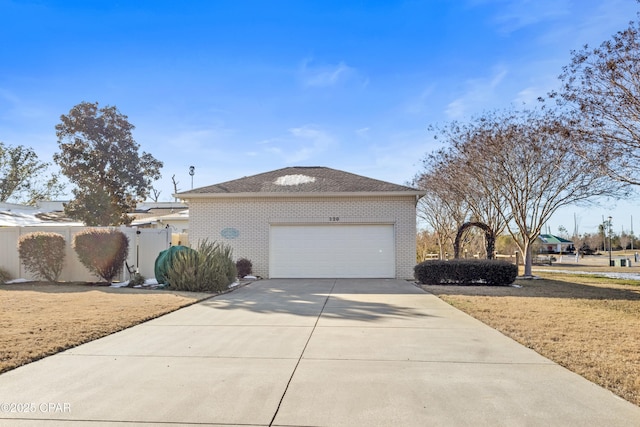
209 268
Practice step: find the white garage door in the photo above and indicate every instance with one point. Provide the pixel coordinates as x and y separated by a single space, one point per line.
332 251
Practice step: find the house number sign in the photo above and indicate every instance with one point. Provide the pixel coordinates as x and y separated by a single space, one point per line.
230 233
334 219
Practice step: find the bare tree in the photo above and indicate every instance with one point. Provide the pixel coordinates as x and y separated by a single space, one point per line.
625 240
175 186
480 207
426 244
602 88
441 210
563 232
155 194
591 241
526 159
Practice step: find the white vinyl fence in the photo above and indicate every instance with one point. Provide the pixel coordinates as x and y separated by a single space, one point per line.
144 246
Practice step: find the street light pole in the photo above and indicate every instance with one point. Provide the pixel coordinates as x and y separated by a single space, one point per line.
631 232
610 261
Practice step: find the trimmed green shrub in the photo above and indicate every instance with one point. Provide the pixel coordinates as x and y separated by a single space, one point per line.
466 272
244 267
5 276
210 268
102 251
42 254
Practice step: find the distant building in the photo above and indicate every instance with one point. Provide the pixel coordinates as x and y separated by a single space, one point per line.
551 244
45 213
171 215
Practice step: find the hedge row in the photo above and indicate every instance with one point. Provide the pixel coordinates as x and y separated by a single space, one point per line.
466 272
102 251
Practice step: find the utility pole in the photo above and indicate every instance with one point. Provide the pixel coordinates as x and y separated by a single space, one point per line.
610 230
604 235
631 232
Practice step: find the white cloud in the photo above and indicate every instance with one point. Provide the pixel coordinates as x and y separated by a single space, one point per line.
18 109
456 109
315 75
9 96
300 144
561 20
363 132
514 15
307 132
189 146
397 157
591 25
193 139
529 96
419 104
480 92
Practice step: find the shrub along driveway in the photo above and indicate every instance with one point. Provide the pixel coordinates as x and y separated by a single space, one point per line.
310 352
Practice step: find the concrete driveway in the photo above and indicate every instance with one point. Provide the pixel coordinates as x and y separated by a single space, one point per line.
308 353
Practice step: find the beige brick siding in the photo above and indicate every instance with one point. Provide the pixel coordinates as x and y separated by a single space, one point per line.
252 217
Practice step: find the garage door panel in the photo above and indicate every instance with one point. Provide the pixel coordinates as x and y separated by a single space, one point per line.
347 251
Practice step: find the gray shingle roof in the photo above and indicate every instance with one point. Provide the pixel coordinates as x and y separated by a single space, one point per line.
299 179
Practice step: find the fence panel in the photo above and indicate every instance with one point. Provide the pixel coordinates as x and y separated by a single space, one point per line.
144 246
9 259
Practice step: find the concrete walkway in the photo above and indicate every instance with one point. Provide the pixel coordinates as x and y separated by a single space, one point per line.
308 353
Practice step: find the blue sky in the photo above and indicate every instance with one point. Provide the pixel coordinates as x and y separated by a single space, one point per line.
237 87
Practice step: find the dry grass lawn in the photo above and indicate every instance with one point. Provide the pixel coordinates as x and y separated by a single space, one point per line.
588 324
40 319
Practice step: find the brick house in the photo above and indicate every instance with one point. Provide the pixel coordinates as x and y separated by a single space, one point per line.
310 222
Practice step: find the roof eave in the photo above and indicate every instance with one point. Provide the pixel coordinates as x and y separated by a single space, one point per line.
189 196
